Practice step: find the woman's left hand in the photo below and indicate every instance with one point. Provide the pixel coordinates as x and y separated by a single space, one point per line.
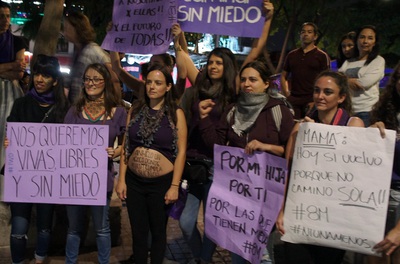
172 195
253 146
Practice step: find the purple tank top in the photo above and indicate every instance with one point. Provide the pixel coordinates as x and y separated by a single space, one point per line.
163 138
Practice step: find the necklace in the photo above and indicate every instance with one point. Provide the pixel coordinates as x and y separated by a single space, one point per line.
94 109
150 124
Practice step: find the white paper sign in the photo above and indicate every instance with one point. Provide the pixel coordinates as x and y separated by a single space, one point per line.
339 187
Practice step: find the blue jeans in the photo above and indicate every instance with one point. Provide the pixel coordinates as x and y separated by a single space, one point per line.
76 219
365 117
188 222
20 220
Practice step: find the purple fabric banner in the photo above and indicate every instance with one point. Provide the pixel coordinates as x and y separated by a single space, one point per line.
56 163
241 18
141 27
244 200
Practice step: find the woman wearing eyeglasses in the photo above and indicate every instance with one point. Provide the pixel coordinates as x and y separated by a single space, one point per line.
98 104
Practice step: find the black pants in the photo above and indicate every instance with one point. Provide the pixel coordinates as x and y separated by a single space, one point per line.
147 212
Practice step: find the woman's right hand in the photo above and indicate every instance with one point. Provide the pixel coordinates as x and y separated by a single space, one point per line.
176 29
205 107
279 223
120 189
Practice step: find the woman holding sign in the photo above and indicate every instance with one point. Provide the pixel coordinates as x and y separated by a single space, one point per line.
98 104
219 82
152 163
259 121
385 114
332 107
45 102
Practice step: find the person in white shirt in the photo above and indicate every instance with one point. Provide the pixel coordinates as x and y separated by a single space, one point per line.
365 72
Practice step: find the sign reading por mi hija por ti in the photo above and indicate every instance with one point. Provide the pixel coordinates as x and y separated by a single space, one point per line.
244 200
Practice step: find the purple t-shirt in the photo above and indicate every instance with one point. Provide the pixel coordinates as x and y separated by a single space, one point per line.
116 128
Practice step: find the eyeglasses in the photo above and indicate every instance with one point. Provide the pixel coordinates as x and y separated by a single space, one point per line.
95 81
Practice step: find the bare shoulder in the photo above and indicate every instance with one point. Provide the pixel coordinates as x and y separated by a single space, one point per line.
355 122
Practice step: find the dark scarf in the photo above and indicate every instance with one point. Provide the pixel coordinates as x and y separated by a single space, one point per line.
43 98
246 111
7 47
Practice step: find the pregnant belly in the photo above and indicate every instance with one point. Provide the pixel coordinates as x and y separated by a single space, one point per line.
149 163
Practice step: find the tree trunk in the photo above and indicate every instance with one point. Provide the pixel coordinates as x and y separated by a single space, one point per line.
49 30
284 45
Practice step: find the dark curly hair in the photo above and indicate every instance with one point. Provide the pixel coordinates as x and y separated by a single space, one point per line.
388 106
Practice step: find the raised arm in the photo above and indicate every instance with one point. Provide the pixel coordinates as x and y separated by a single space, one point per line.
184 63
131 81
259 43
284 83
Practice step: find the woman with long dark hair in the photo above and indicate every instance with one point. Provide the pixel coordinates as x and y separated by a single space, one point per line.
365 72
45 102
152 163
218 82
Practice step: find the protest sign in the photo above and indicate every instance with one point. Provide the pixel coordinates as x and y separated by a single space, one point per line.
142 27
56 163
244 200
241 18
339 187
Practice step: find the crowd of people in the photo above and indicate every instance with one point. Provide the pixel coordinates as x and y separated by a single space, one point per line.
168 125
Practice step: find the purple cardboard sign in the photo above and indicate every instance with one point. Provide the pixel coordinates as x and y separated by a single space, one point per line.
241 18
244 200
142 28
56 163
